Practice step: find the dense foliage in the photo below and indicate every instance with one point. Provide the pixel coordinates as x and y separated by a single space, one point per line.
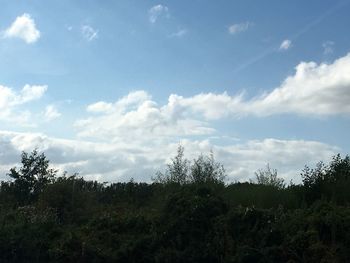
187 215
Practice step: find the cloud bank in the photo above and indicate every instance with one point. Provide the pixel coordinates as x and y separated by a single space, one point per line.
134 135
121 161
313 90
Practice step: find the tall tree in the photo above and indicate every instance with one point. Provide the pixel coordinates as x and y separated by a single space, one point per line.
207 169
33 175
268 176
203 169
177 170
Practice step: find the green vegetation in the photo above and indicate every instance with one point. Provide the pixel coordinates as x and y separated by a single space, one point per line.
187 215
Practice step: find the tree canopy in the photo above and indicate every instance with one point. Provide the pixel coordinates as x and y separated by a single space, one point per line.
187 215
182 171
34 174
268 176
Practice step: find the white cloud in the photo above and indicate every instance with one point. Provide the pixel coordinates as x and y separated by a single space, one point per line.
179 33
89 33
24 28
121 161
100 106
156 11
314 89
10 100
328 47
51 113
237 28
241 160
31 92
286 44
7 96
136 117
134 136
210 105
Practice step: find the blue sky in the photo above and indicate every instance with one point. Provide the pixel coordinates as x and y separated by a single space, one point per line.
109 88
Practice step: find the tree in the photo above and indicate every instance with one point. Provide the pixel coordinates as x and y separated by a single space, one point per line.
312 177
177 170
203 169
337 170
330 181
33 175
269 177
206 169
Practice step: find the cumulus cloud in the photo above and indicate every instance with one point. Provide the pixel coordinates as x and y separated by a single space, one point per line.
121 161
156 11
31 92
51 113
240 27
241 160
10 100
314 89
89 33
24 28
100 106
285 45
134 135
9 97
137 116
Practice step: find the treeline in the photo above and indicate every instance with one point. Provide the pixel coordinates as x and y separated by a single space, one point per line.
188 214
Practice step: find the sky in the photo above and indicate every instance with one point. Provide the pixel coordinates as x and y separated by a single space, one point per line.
109 89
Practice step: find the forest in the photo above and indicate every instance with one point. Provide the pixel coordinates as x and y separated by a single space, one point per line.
189 213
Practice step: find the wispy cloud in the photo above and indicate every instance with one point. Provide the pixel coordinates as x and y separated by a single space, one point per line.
328 47
51 113
285 45
23 28
294 37
89 33
156 11
179 33
240 27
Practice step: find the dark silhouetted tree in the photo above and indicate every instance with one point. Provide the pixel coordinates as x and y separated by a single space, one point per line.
33 175
203 169
330 181
177 170
269 177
